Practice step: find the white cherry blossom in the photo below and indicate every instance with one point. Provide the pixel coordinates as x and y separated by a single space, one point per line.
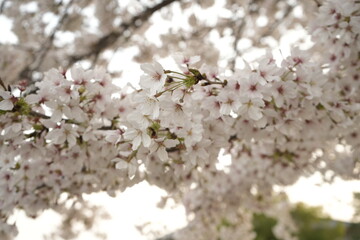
154 78
6 104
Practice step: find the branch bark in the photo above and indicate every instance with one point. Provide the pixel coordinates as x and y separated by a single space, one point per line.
40 56
2 6
108 40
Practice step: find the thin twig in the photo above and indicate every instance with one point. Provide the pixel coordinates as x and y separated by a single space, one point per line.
317 3
2 84
40 57
69 121
133 24
276 23
2 6
49 42
238 34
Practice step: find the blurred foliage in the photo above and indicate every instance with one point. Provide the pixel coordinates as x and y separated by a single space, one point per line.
356 205
263 226
312 224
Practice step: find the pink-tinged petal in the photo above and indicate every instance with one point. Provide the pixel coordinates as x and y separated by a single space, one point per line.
56 116
32 98
112 138
170 143
146 81
158 68
163 155
131 170
156 111
279 101
5 94
225 109
16 127
146 139
255 113
6 105
61 138
121 164
48 123
136 142
71 139
194 59
148 68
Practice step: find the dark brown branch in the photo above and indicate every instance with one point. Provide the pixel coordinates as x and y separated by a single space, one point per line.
239 30
43 116
237 35
318 4
277 22
2 6
108 40
46 46
2 84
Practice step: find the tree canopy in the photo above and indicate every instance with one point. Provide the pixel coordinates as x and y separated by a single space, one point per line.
69 125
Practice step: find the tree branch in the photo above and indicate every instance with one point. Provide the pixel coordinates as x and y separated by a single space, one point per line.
237 35
40 57
106 41
238 32
276 23
49 42
2 6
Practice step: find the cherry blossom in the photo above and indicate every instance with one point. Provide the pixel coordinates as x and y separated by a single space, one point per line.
6 104
154 79
74 131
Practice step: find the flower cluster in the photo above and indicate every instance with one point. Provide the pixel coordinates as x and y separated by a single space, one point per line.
79 133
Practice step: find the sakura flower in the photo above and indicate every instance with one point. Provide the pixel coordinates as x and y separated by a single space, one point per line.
66 93
66 133
159 146
192 133
213 105
114 136
80 76
130 166
154 78
229 102
181 59
6 104
253 108
137 137
251 87
52 81
41 96
212 73
15 128
138 120
268 71
198 154
283 90
59 110
173 112
148 105
314 85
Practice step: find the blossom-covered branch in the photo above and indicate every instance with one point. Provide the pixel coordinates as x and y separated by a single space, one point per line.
80 133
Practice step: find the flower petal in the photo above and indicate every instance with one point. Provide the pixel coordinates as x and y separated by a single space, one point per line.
6 105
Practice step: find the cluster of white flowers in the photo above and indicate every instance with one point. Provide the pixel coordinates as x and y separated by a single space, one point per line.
79 133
